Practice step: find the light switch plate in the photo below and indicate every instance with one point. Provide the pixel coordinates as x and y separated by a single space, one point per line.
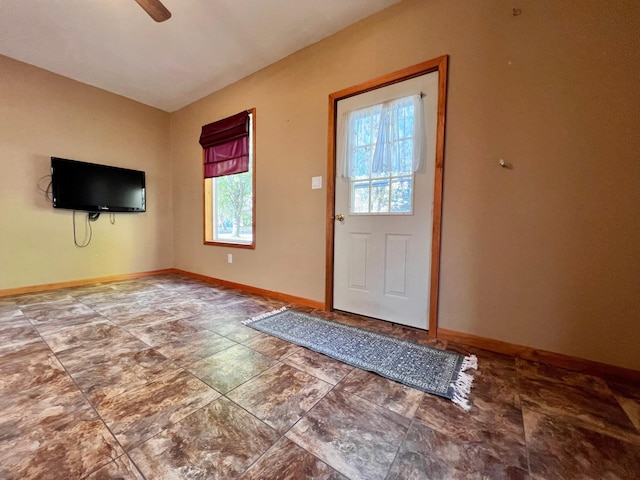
316 183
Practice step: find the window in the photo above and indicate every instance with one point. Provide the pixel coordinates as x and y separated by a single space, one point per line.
382 146
229 200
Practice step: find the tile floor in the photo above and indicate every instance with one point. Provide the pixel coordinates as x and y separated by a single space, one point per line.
157 378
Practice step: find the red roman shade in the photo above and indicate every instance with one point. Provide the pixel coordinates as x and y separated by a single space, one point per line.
226 146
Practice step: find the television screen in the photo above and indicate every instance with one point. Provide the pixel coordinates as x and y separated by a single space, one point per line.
96 188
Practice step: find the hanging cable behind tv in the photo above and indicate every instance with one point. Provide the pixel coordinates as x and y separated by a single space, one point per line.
87 228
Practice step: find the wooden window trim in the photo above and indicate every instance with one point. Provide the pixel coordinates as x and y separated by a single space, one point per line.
207 194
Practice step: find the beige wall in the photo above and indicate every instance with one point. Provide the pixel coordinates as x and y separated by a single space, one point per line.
545 255
44 115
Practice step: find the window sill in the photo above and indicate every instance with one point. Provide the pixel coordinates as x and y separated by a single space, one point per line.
250 246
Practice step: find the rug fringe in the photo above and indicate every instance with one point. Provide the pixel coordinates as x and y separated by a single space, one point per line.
470 361
462 389
263 315
464 382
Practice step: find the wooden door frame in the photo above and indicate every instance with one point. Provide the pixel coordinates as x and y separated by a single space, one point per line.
437 64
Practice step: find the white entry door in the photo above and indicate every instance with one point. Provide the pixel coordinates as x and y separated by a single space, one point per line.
383 226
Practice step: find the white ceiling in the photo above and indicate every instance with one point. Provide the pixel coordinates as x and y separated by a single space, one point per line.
204 46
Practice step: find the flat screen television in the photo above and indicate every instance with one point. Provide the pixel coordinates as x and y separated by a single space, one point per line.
96 188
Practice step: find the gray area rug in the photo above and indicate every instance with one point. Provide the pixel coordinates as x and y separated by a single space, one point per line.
434 371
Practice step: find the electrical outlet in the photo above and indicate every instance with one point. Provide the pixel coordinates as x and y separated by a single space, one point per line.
230 258
316 183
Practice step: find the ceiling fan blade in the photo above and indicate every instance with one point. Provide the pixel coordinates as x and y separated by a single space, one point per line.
155 9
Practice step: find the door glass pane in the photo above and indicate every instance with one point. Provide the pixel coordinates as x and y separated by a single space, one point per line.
380 196
401 195
380 158
360 196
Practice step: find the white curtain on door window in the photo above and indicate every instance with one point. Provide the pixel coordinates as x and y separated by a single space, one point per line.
386 138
